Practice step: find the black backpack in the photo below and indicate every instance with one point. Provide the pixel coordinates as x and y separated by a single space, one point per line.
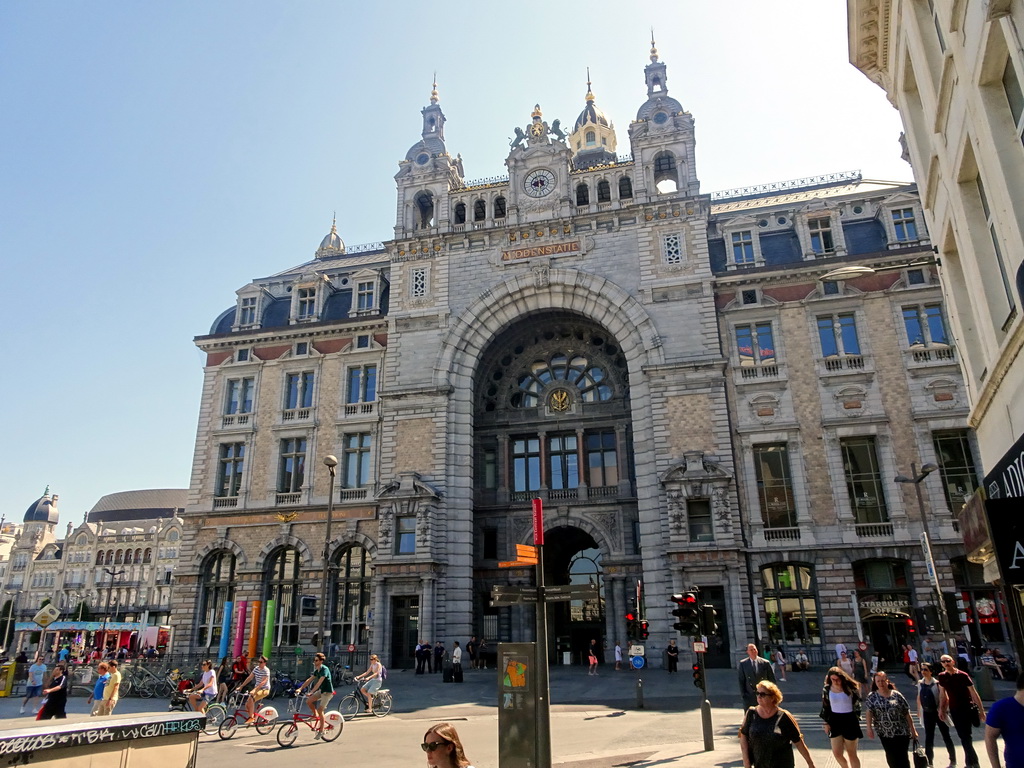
928 702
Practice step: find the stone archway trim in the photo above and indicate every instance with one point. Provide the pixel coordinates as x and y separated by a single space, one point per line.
224 543
286 541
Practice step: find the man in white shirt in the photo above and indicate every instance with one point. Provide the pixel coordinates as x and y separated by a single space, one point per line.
912 666
457 662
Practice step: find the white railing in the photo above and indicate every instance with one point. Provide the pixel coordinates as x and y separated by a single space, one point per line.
759 371
782 534
868 530
296 414
361 409
288 498
225 502
844 363
236 420
933 355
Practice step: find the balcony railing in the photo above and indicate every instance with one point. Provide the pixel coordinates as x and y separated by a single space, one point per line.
227 502
923 355
873 530
563 493
296 414
759 371
354 494
236 420
782 534
604 491
288 498
844 363
361 409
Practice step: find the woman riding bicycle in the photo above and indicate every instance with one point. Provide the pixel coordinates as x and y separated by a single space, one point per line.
372 676
206 691
321 689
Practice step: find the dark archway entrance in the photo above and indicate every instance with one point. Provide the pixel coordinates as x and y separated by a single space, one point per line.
571 556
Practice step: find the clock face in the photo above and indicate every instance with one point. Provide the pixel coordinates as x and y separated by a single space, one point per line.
539 183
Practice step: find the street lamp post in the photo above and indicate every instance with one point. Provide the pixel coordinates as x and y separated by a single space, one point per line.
916 479
106 612
331 462
10 620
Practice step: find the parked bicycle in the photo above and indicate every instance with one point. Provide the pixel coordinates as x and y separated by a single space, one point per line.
263 720
289 731
351 705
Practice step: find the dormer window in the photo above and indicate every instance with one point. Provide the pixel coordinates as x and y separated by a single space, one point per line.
821 235
305 308
904 225
364 296
742 243
247 311
820 230
591 138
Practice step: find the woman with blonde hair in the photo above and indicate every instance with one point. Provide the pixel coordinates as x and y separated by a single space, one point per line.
444 748
768 733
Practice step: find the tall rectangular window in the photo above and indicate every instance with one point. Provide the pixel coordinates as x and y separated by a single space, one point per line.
990 222
698 518
419 283
864 479
775 485
743 247
489 467
904 225
306 307
405 535
362 384
298 392
364 296
238 398
247 311
925 325
526 464
1014 95
956 465
602 458
356 468
838 335
821 235
755 344
230 468
564 462
292 468
672 248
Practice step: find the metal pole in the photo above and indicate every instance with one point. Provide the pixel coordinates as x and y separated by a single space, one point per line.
929 562
541 662
10 620
327 566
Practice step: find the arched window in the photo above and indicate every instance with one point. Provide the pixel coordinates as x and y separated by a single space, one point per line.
99 558
120 557
110 556
499 207
460 213
591 138
479 210
148 557
666 178
590 380
138 556
791 604
425 210
128 557
585 570
625 188
582 195
604 192
217 587
351 596
281 584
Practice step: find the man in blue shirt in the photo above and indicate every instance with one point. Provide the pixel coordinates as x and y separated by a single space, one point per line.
99 707
1006 719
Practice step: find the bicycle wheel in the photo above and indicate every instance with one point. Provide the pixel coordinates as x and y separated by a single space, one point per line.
333 725
265 724
145 691
349 707
125 688
287 734
382 704
215 714
227 728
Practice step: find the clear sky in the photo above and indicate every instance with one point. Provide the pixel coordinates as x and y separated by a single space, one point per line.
156 157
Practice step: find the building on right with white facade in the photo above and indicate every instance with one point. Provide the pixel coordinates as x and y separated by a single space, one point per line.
954 70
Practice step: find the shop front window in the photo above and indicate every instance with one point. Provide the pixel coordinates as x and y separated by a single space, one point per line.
983 607
790 604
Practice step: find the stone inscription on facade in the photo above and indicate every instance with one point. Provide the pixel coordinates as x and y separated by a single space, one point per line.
542 250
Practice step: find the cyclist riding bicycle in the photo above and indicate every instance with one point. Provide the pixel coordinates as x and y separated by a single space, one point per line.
260 677
320 690
372 676
206 691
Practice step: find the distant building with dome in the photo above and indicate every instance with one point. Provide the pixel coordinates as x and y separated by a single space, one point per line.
672 372
117 564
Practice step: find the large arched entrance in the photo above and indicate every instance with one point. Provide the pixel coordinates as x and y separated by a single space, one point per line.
571 556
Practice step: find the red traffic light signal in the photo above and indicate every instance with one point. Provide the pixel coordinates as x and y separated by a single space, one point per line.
698 676
630 616
644 632
911 627
687 612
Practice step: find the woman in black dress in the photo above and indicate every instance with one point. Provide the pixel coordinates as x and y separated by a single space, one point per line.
769 733
56 695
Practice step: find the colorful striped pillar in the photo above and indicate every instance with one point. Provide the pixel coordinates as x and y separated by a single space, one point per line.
240 626
254 622
225 631
268 627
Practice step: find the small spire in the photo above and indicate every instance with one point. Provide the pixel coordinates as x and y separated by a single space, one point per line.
47 491
654 49
590 92
433 93
334 224
536 114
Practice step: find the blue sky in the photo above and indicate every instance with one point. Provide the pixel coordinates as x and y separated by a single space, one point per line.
155 157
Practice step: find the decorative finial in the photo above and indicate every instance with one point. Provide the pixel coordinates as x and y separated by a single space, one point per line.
433 93
536 114
590 92
334 224
654 49
47 491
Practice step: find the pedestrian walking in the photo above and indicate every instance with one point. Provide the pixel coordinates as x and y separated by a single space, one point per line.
456 662
618 656
963 704
752 670
860 672
56 700
444 747
438 655
840 709
1006 719
780 664
96 698
112 690
928 696
768 733
889 714
422 651
592 658
471 650
34 683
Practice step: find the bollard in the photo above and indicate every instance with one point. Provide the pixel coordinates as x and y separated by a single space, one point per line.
639 693
706 726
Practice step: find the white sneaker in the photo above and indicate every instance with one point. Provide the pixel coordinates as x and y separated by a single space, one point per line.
21 711
318 735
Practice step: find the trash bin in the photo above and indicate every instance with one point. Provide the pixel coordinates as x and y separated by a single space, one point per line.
6 678
983 682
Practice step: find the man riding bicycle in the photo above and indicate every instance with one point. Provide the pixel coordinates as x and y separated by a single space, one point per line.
320 690
372 676
260 676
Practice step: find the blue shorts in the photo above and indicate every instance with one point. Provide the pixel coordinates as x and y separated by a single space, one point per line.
372 685
31 691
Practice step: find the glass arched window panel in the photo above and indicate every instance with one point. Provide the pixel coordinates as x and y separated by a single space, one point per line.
589 379
585 569
217 588
352 596
282 584
460 213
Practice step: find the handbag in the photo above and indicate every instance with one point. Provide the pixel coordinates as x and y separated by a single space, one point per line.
920 758
975 716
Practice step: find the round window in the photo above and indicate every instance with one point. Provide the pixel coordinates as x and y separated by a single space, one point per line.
660 117
422 158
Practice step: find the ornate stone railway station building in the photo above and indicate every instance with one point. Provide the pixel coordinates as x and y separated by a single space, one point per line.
669 370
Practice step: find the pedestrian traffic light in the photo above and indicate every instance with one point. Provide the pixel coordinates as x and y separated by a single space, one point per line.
644 633
698 676
911 626
631 626
687 612
953 610
709 614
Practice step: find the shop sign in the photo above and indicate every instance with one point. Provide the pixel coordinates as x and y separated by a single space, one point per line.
1007 526
1006 480
884 605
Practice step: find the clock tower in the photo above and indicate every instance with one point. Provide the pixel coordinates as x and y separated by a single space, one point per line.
538 170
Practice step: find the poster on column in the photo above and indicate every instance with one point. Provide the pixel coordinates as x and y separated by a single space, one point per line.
517 705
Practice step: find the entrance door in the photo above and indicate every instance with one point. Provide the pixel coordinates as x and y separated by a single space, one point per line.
405 627
887 635
717 655
571 556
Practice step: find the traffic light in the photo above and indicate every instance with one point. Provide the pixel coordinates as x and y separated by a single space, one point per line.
953 610
911 626
631 626
928 618
687 612
644 633
698 676
709 614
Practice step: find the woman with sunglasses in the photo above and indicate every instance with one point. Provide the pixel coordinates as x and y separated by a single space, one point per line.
768 733
443 747
840 709
889 712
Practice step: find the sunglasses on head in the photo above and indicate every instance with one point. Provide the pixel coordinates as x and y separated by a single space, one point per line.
431 746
